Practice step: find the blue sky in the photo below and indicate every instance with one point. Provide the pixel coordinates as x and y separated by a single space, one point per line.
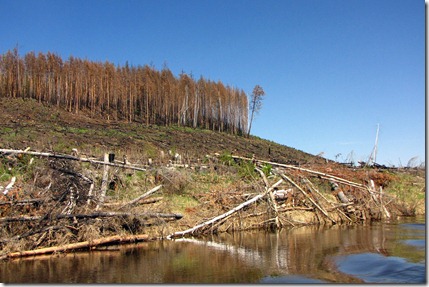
332 70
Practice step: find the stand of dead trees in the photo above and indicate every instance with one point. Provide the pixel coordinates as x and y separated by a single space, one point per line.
136 94
67 207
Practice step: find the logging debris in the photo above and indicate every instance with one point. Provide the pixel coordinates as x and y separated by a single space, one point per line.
71 205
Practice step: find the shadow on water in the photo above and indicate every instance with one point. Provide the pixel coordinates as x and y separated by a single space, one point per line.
339 254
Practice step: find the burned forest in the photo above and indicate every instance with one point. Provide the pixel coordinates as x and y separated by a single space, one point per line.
135 94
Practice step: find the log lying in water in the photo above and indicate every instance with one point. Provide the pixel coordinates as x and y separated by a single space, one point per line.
79 245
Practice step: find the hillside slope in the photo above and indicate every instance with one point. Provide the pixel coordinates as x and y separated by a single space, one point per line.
27 123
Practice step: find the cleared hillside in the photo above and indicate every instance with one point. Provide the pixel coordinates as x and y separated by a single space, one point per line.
27 123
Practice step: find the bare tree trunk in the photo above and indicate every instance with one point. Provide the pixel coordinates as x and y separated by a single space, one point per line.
104 182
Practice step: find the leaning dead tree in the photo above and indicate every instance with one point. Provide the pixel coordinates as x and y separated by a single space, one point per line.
224 215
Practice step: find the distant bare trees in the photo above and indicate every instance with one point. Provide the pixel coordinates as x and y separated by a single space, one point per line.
135 94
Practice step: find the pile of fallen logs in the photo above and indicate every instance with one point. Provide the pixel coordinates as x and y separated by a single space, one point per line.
61 214
64 207
366 203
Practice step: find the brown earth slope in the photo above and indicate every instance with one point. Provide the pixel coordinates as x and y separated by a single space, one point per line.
26 123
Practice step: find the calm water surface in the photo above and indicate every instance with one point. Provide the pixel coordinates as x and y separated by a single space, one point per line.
379 253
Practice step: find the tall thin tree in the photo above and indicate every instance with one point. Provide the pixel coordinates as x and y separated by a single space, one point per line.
255 104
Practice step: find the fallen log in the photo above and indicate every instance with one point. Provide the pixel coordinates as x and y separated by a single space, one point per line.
91 215
143 201
141 196
226 214
76 246
70 157
22 202
329 176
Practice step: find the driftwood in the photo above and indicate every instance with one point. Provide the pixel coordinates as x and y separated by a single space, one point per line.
69 157
76 246
153 190
222 216
91 215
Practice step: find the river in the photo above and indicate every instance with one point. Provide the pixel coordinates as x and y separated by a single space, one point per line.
388 252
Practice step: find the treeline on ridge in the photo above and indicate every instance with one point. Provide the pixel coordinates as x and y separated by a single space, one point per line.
136 94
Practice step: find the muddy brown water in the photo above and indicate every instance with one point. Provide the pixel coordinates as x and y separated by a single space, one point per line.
389 252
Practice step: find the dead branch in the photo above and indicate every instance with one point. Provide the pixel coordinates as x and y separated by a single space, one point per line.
142 196
143 201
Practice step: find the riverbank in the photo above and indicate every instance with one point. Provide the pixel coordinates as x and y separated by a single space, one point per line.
57 200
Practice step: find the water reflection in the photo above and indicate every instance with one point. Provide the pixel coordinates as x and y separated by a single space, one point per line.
297 255
375 268
405 263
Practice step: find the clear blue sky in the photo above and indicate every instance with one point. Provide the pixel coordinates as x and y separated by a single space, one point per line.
331 70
